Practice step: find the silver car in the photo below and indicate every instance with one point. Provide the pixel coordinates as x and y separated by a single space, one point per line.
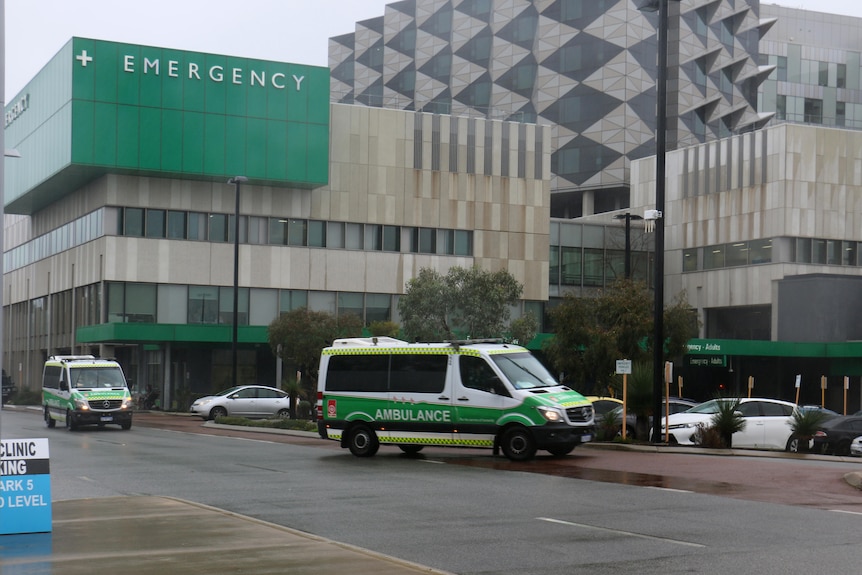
252 401
856 447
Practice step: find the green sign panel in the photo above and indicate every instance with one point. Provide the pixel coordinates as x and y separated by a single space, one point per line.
124 108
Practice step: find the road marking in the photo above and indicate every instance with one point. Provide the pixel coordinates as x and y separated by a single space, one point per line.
619 532
848 512
432 461
669 489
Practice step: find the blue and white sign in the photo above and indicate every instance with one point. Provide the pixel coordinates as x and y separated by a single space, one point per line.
25 486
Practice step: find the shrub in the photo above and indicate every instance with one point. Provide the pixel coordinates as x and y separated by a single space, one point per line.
295 424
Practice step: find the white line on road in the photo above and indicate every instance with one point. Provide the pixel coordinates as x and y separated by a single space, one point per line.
849 512
617 531
669 489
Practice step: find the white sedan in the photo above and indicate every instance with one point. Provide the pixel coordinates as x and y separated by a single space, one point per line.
767 423
252 401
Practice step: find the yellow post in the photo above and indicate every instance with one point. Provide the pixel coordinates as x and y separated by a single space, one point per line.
798 385
822 391
846 387
750 384
679 385
625 406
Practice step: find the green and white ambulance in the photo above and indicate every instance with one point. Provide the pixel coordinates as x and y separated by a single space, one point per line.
380 390
83 390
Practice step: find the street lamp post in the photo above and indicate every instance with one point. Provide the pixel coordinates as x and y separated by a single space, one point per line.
661 149
237 182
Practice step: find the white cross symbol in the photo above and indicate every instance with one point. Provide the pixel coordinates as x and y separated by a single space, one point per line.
84 59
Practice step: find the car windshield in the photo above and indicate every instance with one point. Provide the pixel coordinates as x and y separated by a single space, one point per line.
523 370
227 391
95 377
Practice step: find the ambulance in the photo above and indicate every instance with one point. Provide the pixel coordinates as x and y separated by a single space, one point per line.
477 393
83 390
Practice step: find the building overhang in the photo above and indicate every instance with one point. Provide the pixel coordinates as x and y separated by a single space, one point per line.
145 333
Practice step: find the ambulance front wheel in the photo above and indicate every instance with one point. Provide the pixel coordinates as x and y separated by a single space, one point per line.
49 421
362 441
518 444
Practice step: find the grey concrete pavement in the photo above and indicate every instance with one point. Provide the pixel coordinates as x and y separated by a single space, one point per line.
159 535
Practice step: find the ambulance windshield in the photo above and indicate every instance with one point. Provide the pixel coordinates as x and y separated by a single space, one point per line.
523 370
97 377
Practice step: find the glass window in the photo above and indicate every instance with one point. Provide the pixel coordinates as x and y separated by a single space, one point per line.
446 242
197 226
803 251
203 304
226 305
570 267
177 225
257 230
116 302
353 236
155 223
782 68
615 264
133 222
350 303
378 307
392 238
141 303
689 260
366 373
172 303
322 301
818 251
317 234
781 108
278 231
713 257
373 237
813 111
554 267
423 241
840 114
218 228
593 267
761 251
822 73
833 252
335 234
292 299
463 243
263 306
296 232
849 254
417 373
841 76
736 254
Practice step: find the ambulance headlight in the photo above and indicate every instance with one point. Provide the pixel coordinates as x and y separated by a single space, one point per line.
552 414
82 404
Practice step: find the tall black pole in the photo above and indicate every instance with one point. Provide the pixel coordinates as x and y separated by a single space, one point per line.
661 148
628 246
236 181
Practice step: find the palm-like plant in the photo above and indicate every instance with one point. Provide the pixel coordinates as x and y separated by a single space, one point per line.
727 420
803 426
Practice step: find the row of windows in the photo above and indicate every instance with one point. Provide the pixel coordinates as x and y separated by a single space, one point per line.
753 252
182 225
813 72
155 223
810 111
191 304
591 267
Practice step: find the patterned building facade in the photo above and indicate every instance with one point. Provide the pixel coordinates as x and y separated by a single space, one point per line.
587 68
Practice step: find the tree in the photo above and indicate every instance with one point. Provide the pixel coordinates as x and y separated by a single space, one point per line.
473 301
299 336
591 333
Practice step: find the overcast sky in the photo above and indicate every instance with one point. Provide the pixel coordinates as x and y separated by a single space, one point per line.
281 30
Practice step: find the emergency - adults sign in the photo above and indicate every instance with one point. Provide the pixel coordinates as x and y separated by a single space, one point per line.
25 486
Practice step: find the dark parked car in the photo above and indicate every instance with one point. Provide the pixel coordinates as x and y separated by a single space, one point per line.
8 387
676 405
836 435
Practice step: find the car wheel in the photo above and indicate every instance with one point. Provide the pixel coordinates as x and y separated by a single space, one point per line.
362 441
49 421
70 425
792 445
126 426
218 412
518 444
411 449
561 450
283 414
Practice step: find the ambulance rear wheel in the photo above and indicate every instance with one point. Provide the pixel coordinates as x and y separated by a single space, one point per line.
518 444
362 441
49 421
411 449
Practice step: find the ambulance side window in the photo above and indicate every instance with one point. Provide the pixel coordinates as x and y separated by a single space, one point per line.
477 374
